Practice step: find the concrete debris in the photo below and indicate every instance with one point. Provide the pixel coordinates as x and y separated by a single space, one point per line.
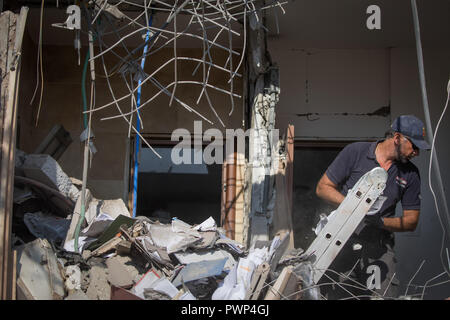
38 272
287 286
73 278
114 208
139 258
45 169
118 274
22 195
99 287
124 248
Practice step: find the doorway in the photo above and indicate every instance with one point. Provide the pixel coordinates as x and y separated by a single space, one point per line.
310 163
190 192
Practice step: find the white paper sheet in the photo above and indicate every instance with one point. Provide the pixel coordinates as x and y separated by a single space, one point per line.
98 225
82 242
207 225
145 282
165 286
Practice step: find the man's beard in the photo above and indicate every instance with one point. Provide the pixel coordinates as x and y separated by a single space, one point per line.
400 157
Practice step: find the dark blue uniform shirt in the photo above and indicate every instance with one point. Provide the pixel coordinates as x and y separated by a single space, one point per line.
356 159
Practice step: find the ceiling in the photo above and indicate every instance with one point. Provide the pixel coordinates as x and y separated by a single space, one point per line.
342 24
305 24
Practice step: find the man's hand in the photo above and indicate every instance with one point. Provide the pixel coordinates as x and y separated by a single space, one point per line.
374 220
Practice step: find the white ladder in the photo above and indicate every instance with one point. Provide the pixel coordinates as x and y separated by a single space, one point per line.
347 217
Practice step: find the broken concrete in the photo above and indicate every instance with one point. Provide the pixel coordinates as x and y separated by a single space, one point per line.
38 272
118 274
99 288
73 278
44 168
114 208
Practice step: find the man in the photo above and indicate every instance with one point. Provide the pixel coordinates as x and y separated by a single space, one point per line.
373 241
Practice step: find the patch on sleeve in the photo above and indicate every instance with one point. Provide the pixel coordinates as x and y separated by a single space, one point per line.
401 182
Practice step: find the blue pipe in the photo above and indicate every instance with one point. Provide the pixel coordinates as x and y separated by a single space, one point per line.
138 125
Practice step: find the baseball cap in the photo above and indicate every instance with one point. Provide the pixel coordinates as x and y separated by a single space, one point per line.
412 128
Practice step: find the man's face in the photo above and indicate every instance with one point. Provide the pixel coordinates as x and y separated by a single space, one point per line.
405 149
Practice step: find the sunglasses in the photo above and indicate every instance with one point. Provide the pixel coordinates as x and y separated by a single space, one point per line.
412 143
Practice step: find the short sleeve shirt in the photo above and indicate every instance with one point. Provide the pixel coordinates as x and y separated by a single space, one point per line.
356 159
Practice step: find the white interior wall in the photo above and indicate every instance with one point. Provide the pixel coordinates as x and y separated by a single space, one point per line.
330 83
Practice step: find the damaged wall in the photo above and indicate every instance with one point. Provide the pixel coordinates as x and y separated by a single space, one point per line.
62 104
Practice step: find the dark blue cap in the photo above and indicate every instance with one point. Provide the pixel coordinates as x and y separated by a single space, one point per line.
413 129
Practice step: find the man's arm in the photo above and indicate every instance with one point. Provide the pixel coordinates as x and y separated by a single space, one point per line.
328 191
408 222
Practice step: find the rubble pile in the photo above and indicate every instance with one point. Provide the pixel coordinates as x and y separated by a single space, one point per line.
141 258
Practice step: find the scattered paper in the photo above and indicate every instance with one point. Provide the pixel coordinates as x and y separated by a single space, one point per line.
98 225
224 291
164 237
187 258
145 282
239 279
179 226
207 225
234 245
83 241
165 286
199 270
